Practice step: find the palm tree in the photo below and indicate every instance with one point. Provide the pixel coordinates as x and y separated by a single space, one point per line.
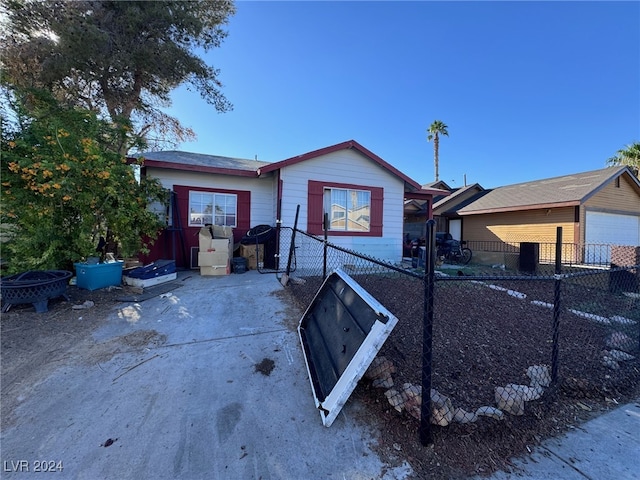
629 156
436 129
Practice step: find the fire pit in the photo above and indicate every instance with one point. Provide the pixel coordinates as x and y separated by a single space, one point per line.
35 287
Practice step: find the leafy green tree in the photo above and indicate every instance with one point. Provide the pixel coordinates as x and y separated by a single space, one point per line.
118 58
629 156
434 131
64 187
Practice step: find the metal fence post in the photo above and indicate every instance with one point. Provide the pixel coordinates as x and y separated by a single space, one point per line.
557 285
427 332
292 247
325 227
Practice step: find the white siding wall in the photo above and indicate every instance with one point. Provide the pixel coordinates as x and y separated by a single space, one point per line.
347 166
262 189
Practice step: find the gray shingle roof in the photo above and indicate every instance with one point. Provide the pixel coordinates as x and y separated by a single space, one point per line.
202 160
557 190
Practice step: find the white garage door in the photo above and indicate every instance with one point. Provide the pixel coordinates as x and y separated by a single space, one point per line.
611 229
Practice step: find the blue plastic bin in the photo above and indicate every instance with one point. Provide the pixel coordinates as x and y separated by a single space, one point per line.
100 275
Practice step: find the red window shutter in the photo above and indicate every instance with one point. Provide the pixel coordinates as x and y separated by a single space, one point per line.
244 215
377 202
315 192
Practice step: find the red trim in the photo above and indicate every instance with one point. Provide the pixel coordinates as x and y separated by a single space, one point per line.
334 148
426 194
315 209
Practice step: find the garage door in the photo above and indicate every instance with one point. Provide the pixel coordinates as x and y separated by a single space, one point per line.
611 229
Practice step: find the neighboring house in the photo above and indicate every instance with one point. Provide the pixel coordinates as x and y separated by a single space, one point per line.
363 195
600 207
444 210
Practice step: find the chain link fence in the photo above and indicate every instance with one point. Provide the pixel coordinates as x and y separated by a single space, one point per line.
487 343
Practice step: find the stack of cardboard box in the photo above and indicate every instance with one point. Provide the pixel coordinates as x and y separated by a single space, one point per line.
215 250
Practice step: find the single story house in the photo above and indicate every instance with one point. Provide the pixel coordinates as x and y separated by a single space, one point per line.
595 209
363 195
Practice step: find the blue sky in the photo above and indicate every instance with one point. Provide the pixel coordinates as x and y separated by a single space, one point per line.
528 90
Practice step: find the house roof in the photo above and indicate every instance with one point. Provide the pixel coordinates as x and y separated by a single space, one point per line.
198 162
453 200
177 160
410 185
568 190
440 184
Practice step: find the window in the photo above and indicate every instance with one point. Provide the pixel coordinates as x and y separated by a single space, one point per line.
354 210
349 209
213 208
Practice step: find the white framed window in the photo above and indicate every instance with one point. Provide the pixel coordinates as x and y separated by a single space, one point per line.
349 209
213 208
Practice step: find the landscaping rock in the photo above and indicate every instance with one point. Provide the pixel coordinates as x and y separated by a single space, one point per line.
395 399
623 320
610 363
413 399
528 393
510 400
620 341
619 355
539 375
462 416
490 412
441 409
380 372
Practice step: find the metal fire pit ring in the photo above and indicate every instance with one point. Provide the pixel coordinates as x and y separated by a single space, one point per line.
34 286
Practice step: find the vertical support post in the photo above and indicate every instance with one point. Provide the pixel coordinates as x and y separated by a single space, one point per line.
556 307
292 247
427 333
325 227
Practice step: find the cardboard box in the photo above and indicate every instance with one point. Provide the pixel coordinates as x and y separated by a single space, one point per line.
249 252
213 259
219 270
220 234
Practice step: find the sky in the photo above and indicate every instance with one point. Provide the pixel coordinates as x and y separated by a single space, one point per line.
528 90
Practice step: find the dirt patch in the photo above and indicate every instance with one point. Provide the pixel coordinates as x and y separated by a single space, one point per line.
292 313
265 367
34 344
105 351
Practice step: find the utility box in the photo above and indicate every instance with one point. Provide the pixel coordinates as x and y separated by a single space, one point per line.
529 257
341 332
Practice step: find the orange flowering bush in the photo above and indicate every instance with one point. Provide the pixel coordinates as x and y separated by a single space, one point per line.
64 185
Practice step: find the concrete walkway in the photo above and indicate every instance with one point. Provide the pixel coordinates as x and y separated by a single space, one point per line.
605 448
193 406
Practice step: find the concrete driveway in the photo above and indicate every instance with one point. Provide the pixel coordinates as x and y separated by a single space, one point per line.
219 390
